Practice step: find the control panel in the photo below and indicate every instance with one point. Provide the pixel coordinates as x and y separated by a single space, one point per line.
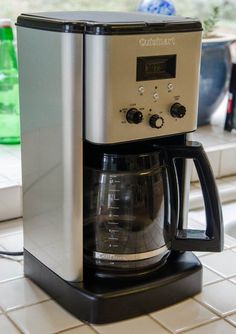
155 115
142 90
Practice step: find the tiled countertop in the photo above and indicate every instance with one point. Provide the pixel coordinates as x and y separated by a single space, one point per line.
219 144
24 308
10 182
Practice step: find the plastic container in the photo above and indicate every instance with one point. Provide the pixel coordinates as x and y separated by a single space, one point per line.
9 87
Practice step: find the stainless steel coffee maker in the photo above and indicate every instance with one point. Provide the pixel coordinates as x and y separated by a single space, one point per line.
108 104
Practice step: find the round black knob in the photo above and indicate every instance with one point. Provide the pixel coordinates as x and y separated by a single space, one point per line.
134 116
177 110
156 121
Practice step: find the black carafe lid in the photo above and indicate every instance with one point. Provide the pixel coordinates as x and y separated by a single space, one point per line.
124 157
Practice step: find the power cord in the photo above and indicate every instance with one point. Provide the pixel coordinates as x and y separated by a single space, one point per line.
11 253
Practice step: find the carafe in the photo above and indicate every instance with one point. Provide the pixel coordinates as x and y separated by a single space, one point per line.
131 211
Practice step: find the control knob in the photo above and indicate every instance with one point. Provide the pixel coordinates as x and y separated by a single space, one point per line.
177 110
156 121
134 116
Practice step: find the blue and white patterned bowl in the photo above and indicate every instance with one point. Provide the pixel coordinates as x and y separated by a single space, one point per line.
164 7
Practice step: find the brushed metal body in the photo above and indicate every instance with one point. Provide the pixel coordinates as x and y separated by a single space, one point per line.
52 148
51 74
111 87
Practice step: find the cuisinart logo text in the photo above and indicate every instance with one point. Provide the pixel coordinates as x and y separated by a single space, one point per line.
157 41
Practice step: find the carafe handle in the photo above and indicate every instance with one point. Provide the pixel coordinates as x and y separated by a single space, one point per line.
210 239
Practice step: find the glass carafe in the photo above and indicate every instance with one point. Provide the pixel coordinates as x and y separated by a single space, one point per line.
131 206
126 212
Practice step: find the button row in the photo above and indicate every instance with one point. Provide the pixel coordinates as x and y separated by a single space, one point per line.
169 87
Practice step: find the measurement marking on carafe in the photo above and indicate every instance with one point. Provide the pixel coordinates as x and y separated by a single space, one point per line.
113 231
111 215
114 207
115 190
113 238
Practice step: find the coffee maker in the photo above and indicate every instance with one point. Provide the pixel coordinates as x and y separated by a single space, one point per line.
108 104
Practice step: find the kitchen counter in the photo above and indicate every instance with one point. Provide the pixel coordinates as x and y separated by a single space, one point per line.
24 308
219 144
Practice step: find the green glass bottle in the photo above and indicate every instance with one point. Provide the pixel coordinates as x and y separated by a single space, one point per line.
9 87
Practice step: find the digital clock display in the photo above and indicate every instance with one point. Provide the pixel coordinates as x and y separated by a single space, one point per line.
156 67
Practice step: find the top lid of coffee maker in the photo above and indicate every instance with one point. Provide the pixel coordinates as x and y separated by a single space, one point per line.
108 23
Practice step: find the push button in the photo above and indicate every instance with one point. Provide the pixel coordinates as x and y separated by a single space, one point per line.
141 90
156 96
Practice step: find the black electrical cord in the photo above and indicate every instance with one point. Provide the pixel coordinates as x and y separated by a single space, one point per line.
11 253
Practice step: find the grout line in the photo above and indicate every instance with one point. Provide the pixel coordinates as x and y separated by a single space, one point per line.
16 308
160 324
229 279
210 308
210 283
190 326
18 259
92 327
11 321
200 326
216 272
12 279
68 329
229 322
207 322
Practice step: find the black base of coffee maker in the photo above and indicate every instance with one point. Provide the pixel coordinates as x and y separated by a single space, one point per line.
101 301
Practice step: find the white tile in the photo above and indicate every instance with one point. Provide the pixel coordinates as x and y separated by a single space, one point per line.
232 319
14 150
230 179
11 227
183 316
227 193
5 182
19 293
201 254
229 241
195 225
210 277
47 318
198 216
80 330
138 325
13 242
6 327
227 164
229 213
222 263
216 327
214 157
220 297
230 228
233 279
10 269
10 202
